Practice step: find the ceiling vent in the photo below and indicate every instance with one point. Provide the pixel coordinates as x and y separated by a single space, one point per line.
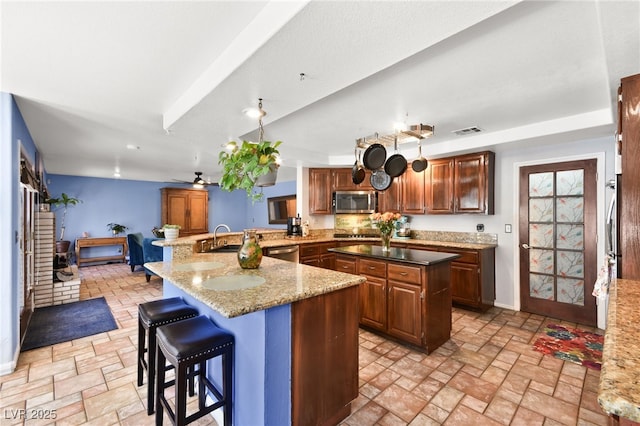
467 131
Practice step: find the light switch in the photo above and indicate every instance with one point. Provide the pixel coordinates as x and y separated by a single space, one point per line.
507 228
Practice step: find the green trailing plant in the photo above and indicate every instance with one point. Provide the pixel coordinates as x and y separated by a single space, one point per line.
243 164
116 228
65 201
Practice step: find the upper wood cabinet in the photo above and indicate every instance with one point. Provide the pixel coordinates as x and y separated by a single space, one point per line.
320 182
187 208
629 198
405 195
462 184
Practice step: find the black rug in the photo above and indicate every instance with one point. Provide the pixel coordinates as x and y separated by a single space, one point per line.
61 323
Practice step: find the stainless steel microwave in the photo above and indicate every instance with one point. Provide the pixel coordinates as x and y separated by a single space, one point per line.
355 202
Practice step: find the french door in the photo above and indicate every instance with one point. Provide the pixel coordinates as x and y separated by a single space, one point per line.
557 240
26 271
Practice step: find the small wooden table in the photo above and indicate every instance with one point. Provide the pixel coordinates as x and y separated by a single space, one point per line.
100 242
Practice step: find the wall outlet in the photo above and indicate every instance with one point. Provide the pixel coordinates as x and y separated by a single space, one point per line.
480 227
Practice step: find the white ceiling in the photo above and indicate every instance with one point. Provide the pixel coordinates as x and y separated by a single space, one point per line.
172 78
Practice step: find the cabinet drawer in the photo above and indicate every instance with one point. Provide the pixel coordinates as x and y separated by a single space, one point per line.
404 273
373 268
465 256
343 265
309 250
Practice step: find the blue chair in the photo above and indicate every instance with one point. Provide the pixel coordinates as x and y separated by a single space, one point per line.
151 253
141 251
135 250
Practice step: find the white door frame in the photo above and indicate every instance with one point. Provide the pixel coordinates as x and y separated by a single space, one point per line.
601 206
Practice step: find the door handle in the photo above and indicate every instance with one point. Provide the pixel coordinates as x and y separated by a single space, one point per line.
526 246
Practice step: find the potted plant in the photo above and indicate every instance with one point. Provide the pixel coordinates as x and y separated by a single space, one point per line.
62 246
171 231
248 165
116 228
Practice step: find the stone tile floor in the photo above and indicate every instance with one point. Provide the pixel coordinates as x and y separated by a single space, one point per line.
487 374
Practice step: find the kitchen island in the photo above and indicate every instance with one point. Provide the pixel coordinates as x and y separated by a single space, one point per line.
406 295
296 331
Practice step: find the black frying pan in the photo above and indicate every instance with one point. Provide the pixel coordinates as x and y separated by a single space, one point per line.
420 163
357 173
374 156
396 164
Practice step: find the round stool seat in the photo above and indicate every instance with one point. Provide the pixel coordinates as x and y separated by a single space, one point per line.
165 311
192 337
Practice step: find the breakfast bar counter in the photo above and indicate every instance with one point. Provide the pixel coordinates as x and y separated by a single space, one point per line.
295 329
618 393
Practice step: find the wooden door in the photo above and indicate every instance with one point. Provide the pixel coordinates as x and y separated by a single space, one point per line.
176 204
390 200
557 220
320 191
373 303
413 192
464 283
343 180
439 186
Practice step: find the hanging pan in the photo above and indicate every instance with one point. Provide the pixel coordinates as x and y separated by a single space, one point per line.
357 173
420 163
380 180
374 156
396 164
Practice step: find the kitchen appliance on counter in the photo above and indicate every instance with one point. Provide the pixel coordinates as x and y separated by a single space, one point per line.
403 228
355 202
294 226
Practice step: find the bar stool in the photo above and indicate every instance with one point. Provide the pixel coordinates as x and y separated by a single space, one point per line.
152 315
186 344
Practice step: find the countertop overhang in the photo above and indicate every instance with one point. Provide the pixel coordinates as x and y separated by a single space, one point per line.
619 388
284 282
396 254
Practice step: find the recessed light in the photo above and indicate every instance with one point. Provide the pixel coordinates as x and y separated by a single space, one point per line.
116 174
132 146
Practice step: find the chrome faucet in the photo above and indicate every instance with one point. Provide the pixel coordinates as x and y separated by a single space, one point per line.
215 231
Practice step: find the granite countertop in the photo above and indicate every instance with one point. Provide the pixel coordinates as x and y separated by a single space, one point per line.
214 278
619 390
414 257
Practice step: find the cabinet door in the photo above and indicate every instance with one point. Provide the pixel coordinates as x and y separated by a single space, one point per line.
342 180
391 199
320 191
310 260
473 181
404 318
198 215
373 303
328 261
413 192
465 283
439 186
175 209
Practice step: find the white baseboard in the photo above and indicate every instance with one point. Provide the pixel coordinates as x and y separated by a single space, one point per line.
10 367
503 306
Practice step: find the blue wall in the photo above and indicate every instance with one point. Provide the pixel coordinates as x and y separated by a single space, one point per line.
13 135
136 204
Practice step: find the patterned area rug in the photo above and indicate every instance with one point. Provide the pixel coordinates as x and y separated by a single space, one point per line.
573 345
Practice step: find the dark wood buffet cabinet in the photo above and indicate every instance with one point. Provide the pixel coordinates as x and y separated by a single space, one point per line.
453 185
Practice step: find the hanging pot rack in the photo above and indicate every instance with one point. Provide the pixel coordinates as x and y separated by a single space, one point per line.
413 133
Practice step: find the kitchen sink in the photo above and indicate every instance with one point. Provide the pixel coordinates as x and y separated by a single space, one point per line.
228 248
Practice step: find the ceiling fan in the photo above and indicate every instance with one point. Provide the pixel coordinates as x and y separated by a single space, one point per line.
198 182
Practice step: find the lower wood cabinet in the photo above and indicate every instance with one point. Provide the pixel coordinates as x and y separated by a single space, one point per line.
318 255
409 303
324 339
472 276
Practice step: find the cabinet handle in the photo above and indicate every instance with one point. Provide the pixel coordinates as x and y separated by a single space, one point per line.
371 268
526 246
404 274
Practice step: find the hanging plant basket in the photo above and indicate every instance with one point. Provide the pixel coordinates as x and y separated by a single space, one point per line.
270 178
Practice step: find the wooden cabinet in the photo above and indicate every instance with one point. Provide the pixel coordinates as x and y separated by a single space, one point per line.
439 186
320 189
407 302
405 195
472 276
187 208
462 184
629 191
324 359
346 264
318 255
